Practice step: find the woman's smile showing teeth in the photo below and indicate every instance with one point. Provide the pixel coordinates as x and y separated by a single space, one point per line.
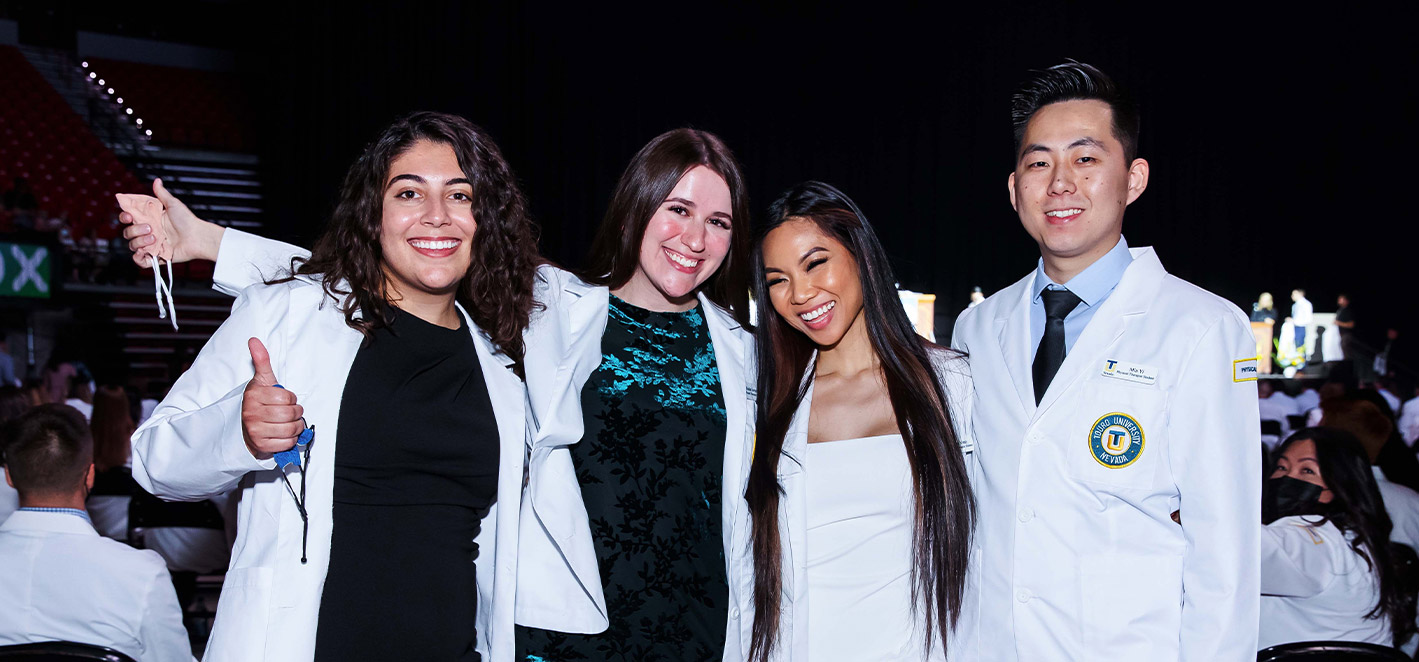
819 317
435 246
685 264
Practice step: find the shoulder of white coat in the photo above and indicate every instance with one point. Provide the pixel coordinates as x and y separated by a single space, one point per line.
1179 295
1307 527
994 305
145 560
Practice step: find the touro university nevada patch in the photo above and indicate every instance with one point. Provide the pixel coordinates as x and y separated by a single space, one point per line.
1116 440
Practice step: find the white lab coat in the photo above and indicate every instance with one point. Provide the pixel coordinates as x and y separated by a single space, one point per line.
1409 421
63 582
1402 505
794 644
192 449
1316 587
559 584
564 348
1082 561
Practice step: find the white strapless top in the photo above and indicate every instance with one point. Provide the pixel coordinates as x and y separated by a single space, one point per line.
859 552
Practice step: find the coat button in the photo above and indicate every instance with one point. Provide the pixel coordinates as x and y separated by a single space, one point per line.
1035 438
1023 595
734 614
1025 514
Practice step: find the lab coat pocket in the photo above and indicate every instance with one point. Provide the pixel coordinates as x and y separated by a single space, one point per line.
1132 606
242 616
1116 435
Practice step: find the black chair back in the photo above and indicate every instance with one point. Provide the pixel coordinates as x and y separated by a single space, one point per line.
61 651
1331 651
149 512
1271 427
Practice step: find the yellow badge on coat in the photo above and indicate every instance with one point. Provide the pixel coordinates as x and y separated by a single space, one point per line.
1116 440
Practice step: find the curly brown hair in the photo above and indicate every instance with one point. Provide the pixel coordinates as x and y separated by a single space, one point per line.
496 291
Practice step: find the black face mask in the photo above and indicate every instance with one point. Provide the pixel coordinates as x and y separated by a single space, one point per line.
1289 496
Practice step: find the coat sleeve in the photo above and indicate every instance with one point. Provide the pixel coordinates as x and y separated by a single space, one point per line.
161 633
244 259
1296 560
1216 459
191 448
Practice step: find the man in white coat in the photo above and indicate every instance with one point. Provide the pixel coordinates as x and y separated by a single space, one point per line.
1116 418
62 581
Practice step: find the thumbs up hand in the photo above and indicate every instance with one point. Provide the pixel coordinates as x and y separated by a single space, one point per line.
270 417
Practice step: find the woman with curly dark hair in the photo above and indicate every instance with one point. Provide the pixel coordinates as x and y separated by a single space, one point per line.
398 341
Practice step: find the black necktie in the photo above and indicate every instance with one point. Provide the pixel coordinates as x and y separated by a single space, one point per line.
1050 354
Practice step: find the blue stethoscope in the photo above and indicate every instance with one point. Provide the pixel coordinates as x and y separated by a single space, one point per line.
298 455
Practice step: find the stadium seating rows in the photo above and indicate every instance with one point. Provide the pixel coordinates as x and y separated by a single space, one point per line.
43 140
182 106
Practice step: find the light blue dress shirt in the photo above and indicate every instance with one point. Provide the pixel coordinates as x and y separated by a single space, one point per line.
1092 285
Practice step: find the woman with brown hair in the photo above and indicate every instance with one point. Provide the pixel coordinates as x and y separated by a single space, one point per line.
112 428
393 533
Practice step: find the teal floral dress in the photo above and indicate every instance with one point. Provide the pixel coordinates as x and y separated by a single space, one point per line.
650 467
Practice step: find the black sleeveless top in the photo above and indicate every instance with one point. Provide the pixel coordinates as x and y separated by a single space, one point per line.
415 472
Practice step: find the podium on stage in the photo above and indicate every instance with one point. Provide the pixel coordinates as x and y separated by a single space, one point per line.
1263 332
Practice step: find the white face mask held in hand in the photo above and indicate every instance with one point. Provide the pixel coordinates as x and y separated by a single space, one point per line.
149 210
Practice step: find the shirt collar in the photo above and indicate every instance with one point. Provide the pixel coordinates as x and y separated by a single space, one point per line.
84 515
1096 281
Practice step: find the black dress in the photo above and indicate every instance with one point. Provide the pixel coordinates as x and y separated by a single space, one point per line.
650 467
415 472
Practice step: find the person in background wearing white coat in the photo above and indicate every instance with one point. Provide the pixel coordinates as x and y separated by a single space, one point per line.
859 493
61 580
1327 569
653 344
1109 396
392 533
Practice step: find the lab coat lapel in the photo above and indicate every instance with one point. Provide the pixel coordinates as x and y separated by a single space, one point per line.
498 571
729 357
1013 326
586 324
1129 300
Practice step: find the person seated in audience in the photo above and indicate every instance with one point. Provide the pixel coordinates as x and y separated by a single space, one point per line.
1275 405
1385 387
1409 418
1373 430
1309 397
1393 456
185 545
62 581
1328 569
112 428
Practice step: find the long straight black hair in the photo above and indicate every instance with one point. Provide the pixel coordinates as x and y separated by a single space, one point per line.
1358 509
945 510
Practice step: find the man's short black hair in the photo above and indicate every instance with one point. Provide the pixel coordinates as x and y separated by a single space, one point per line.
48 449
1073 81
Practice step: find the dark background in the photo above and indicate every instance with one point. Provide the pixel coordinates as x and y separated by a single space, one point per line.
1281 144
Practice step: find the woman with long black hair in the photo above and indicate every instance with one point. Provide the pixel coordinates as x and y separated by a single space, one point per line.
859 501
1328 569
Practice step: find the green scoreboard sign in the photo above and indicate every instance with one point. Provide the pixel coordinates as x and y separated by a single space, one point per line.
24 270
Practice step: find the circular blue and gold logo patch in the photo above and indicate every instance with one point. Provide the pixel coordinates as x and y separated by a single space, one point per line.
1116 440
